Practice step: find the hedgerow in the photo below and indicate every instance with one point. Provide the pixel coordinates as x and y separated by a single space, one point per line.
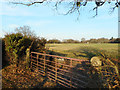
18 45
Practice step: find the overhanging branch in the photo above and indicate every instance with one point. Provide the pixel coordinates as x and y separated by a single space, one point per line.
75 6
29 4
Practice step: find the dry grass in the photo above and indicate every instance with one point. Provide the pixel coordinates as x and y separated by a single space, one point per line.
22 79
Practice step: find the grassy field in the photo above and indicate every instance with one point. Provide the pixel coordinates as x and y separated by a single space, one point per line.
85 51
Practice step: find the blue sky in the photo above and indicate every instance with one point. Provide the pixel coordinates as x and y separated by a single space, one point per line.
48 23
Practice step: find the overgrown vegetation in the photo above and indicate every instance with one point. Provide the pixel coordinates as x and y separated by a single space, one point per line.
16 44
16 48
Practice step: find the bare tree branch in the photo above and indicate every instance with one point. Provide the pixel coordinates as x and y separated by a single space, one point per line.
32 3
76 4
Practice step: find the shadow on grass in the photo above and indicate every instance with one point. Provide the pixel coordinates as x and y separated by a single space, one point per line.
84 76
88 75
55 53
88 52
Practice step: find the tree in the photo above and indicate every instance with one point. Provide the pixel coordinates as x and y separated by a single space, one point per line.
37 43
54 41
111 38
74 4
93 41
117 40
102 40
82 39
70 41
25 31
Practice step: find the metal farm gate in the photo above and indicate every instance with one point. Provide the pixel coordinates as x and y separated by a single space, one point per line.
62 70
68 72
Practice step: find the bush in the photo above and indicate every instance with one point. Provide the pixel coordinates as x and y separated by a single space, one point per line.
38 44
16 46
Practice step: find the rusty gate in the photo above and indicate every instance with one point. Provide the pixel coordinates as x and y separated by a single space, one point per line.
70 72
67 72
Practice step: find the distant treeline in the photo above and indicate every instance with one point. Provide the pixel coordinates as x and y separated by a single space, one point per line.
99 40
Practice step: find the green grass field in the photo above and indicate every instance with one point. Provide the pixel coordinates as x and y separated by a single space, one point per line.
85 51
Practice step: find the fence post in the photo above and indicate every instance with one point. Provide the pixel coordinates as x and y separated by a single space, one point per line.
55 69
70 73
44 64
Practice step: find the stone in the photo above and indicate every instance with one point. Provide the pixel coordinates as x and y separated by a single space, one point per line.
95 61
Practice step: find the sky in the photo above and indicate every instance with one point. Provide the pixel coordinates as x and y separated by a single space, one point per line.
119 22
46 22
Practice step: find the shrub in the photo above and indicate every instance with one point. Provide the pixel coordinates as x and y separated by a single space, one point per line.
38 44
16 46
21 43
